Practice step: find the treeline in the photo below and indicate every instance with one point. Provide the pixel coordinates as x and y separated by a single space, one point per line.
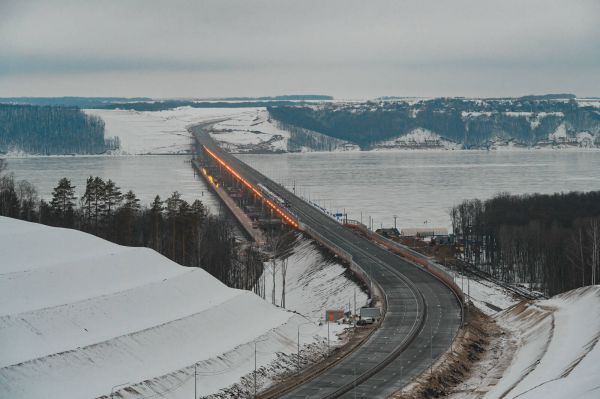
550 242
185 233
170 104
471 123
79 102
51 130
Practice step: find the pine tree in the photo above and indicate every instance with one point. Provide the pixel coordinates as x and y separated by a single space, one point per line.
156 222
125 217
99 203
63 202
112 197
131 202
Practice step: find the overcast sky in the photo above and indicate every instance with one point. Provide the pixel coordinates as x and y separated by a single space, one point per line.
349 49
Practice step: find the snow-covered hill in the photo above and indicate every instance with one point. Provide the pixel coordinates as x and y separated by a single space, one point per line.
79 315
552 351
157 132
250 131
417 139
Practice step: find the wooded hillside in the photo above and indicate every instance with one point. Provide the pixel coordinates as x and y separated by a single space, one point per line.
51 130
551 242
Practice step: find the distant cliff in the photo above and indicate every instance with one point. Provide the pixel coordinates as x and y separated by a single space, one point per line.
51 130
528 121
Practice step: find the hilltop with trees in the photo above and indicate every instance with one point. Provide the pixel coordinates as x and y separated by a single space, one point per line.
526 121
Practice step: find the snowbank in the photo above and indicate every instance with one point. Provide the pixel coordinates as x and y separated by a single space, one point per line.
156 132
79 315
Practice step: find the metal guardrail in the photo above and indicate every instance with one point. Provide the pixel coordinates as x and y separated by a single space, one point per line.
342 253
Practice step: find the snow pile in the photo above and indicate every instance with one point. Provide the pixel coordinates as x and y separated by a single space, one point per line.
156 132
79 315
417 139
553 353
250 131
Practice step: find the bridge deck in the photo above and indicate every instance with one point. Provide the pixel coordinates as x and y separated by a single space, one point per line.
423 315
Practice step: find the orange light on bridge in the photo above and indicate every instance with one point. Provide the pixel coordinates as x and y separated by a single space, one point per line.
283 215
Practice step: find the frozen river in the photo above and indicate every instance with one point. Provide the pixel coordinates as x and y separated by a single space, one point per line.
418 187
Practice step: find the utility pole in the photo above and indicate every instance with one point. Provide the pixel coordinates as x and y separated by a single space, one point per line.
256 342
431 348
395 217
195 380
327 336
298 355
354 314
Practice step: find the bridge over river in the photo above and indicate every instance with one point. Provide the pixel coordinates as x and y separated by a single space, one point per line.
422 312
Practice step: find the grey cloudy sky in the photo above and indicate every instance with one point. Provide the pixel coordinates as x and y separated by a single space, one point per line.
343 48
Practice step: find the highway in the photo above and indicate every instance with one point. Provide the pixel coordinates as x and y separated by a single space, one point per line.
422 318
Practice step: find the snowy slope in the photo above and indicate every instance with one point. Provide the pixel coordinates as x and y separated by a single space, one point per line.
80 315
417 139
250 131
156 132
552 353
313 283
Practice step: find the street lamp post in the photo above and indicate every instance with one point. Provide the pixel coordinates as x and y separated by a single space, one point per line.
255 342
328 350
298 354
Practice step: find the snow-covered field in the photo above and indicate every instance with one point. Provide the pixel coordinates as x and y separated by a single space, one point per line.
552 352
157 132
251 130
79 315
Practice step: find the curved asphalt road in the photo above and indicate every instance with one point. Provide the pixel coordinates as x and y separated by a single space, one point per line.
423 315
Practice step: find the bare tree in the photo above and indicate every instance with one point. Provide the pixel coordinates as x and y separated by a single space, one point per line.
274 263
594 236
284 265
28 198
